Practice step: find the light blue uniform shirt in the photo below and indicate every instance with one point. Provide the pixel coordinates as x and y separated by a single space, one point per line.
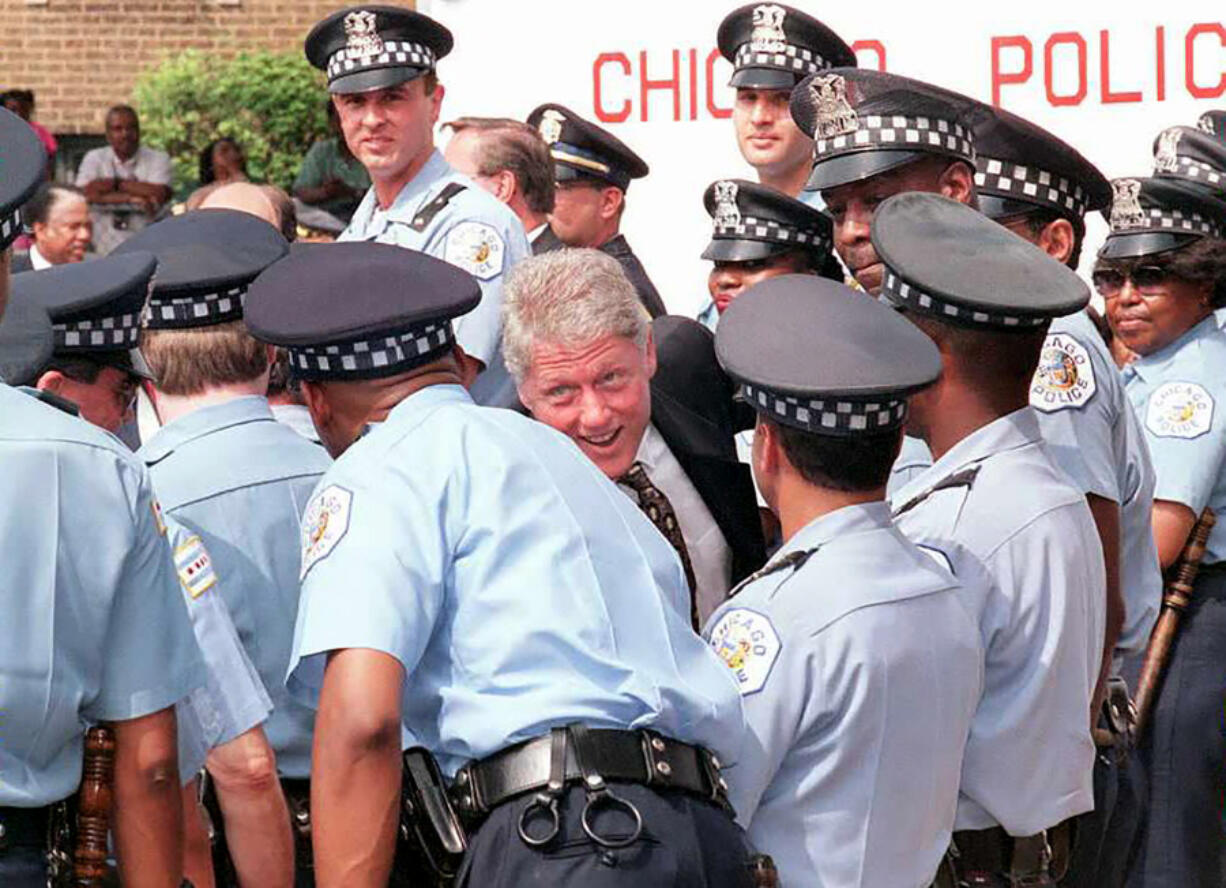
860 671
1092 434
1020 530
240 480
474 231
92 625
519 588
708 315
1179 394
914 458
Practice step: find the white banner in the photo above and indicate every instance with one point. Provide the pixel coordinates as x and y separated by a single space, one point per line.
1104 80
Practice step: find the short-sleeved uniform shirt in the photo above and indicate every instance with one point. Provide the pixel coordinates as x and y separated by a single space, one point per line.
240 480
518 587
1179 395
474 231
860 672
146 165
1093 436
996 503
93 627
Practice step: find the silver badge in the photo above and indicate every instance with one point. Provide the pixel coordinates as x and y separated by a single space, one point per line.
727 214
1166 158
767 35
1126 209
362 35
1205 124
550 126
834 114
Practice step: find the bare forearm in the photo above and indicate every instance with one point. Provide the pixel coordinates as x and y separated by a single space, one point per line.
1107 520
147 190
148 809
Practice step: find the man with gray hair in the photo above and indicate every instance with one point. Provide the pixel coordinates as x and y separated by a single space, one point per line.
645 401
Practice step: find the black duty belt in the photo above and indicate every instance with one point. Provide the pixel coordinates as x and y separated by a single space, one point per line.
642 757
24 827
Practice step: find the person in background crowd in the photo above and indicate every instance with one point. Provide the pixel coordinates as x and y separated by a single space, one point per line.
21 103
60 227
509 159
127 183
330 177
221 162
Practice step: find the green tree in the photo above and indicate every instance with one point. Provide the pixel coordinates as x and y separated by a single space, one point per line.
270 103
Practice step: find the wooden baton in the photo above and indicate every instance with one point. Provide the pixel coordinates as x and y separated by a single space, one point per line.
94 809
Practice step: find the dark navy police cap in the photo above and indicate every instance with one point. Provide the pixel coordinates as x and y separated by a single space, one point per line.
772 46
943 259
1192 155
1021 167
364 48
816 355
26 342
24 161
753 222
582 150
395 313
1150 216
864 123
206 259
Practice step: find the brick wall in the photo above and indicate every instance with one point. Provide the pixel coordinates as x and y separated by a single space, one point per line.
82 56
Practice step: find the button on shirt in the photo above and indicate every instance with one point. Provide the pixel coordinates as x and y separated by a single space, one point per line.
709 552
516 585
1179 394
1029 755
860 672
474 231
146 165
93 627
240 480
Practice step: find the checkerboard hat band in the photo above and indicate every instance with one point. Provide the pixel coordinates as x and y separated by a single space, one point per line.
196 310
1195 171
362 358
897 131
1174 221
752 228
897 292
119 332
829 416
396 53
1030 184
10 227
793 58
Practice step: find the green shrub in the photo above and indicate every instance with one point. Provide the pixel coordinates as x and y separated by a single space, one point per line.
272 104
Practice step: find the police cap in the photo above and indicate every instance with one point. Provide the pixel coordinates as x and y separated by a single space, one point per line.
772 46
1193 156
26 342
582 150
1150 216
24 163
364 48
753 222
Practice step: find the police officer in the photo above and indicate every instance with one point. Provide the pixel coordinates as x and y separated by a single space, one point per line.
227 470
858 663
593 169
470 574
1161 275
380 63
94 627
994 499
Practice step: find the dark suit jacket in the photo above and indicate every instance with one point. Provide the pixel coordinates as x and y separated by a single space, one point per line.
21 262
546 242
620 250
692 408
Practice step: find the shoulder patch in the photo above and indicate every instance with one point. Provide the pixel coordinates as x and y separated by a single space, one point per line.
477 248
1064 377
324 524
749 645
1179 410
195 567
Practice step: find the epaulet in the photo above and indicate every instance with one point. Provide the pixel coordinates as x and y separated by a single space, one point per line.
965 478
55 401
792 560
427 213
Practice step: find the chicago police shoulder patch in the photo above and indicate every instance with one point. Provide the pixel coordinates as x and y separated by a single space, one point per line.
477 248
1064 377
1179 410
748 644
324 524
195 567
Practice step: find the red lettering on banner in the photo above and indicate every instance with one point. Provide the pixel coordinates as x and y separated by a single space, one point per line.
1074 39
1104 70
874 46
1001 78
602 114
1160 62
693 84
1197 91
713 109
646 84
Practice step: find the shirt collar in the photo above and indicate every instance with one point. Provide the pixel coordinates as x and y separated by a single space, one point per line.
1017 429
405 204
205 421
428 398
859 518
651 449
1152 366
37 260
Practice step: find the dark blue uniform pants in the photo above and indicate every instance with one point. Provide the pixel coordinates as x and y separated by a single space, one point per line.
23 867
685 842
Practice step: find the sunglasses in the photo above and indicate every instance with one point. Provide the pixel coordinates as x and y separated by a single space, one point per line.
1109 281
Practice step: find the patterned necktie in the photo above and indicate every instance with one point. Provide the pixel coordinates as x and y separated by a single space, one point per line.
659 510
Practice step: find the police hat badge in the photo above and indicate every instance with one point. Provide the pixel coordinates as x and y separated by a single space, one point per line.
727 214
362 35
767 34
834 115
1126 209
550 126
1166 158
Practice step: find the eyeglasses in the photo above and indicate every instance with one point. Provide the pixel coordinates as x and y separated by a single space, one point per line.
1109 281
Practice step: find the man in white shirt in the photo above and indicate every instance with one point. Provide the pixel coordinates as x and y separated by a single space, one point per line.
582 352
126 183
58 218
